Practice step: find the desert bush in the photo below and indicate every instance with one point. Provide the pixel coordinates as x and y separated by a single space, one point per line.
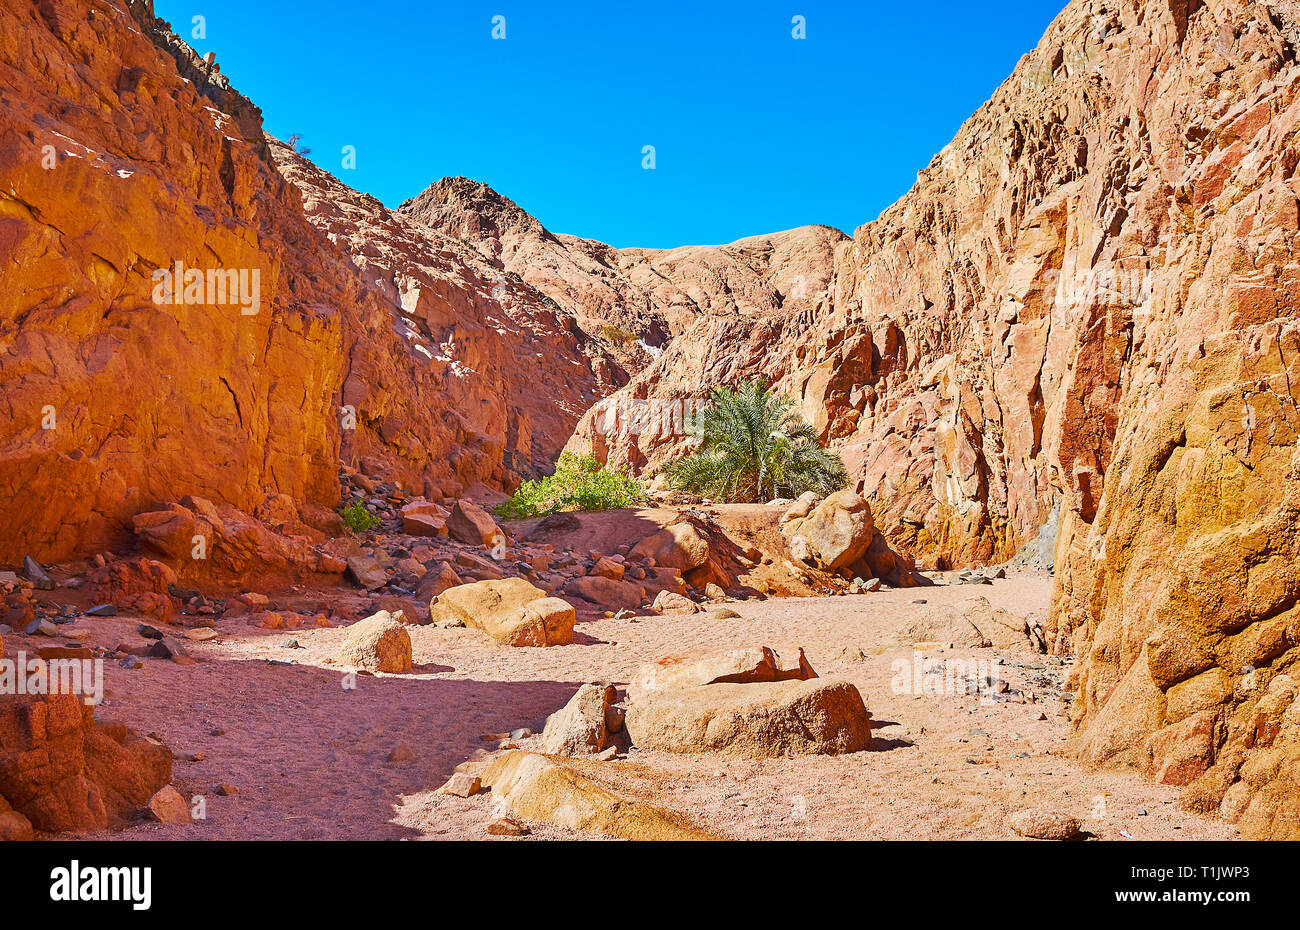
618 334
358 518
579 483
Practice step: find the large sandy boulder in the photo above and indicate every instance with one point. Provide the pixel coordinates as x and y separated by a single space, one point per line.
836 532
680 546
759 720
536 787
579 728
669 602
510 610
379 643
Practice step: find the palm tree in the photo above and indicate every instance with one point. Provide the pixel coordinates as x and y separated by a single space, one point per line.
753 447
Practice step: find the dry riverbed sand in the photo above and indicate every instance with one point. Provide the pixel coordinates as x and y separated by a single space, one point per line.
299 756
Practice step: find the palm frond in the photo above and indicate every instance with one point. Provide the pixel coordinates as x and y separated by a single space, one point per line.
754 446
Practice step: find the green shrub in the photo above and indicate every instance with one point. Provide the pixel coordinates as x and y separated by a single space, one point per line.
754 447
579 483
358 518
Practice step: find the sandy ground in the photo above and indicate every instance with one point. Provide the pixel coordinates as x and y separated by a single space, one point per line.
306 757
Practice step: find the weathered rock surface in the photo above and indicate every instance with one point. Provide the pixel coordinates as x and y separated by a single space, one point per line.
678 546
757 720
1045 825
579 727
1086 301
60 770
470 523
539 788
670 602
973 624
838 530
379 643
363 322
607 592
169 806
510 610
216 544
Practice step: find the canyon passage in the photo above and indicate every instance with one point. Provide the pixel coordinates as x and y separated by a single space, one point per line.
1056 597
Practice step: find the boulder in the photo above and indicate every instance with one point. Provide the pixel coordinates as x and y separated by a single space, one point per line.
169 806
542 788
1040 824
801 507
14 827
679 546
477 567
469 523
606 591
607 568
837 532
379 643
366 571
510 610
507 826
579 728
973 624
61 770
424 518
441 577
462 785
37 574
760 720
668 602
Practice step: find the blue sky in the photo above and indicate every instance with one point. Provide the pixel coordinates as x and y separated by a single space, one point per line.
754 131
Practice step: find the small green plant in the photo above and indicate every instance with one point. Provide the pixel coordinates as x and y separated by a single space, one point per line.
754 447
579 483
358 518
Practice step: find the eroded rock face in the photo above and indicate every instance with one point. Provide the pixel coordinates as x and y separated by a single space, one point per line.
459 370
1087 301
115 400
369 339
60 770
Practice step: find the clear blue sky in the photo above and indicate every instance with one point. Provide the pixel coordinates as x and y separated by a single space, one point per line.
754 131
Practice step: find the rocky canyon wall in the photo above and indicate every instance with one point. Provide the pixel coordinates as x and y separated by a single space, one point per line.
373 341
113 165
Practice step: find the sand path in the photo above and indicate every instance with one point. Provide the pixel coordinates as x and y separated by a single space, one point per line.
307 757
